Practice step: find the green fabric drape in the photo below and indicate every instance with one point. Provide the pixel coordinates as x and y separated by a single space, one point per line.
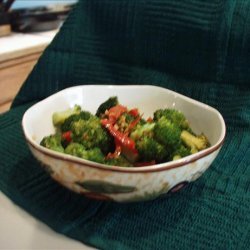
198 48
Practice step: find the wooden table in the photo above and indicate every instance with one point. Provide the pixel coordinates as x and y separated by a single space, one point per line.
18 55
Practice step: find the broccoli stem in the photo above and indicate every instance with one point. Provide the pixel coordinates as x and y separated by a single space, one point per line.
196 143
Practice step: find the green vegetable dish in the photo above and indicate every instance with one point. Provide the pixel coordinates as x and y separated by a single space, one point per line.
119 136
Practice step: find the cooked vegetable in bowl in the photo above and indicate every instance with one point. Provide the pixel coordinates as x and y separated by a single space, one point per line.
118 135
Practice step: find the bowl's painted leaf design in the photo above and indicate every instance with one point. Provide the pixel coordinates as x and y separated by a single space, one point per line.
151 195
105 187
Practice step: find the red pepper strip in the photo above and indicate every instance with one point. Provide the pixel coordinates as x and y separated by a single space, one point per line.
67 136
123 139
133 123
144 164
134 112
115 112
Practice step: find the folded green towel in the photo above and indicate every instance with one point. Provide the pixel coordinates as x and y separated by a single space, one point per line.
197 48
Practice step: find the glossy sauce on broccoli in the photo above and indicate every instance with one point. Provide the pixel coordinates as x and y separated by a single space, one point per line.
117 135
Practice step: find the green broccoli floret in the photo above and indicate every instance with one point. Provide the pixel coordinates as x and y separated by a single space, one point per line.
111 102
91 134
172 115
167 133
149 150
148 147
195 142
180 152
83 115
95 154
118 161
59 117
77 149
53 142
141 130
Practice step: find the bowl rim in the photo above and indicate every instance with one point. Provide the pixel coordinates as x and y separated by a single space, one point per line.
145 169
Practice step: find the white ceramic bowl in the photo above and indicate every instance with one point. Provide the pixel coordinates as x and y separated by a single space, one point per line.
123 184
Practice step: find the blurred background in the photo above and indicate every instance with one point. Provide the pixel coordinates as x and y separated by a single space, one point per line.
26 28
36 3
31 16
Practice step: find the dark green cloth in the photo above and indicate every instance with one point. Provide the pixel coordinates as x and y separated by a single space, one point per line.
198 48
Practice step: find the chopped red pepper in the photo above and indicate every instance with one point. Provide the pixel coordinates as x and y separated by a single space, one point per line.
134 112
133 123
123 139
115 112
67 136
